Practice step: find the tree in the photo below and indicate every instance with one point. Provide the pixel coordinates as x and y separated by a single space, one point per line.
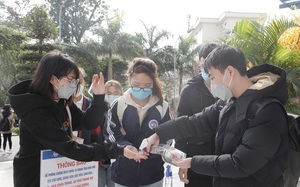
77 17
9 54
13 14
149 43
38 25
185 56
260 44
115 42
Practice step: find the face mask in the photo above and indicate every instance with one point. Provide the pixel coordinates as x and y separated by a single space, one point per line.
79 91
205 75
67 90
221 91
110 98
141 94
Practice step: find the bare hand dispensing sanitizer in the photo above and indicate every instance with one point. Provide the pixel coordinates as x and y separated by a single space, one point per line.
165 150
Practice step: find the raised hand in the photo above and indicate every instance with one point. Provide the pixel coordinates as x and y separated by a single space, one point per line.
98 84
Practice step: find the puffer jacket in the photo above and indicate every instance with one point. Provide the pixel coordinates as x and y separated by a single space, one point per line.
128 172
247 154
194 97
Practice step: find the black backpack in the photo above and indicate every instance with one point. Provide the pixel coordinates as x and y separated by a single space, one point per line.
4 124
292 173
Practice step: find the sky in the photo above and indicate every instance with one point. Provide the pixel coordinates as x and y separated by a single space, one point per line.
172 15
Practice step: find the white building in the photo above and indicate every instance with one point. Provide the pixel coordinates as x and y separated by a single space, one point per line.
210 29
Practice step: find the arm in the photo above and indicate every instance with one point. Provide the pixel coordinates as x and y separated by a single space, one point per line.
90 118
95 113
183 109
50 135
47 131
200 125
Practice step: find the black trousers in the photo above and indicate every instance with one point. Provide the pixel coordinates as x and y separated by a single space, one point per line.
7 137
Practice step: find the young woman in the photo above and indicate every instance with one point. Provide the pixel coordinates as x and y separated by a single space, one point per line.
142 111
48 115
113 90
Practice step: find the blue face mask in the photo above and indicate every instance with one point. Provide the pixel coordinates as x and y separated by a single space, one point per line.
205 75
140 93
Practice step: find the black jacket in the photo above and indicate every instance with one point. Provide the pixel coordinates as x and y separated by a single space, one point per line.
194 97
246 154
44 125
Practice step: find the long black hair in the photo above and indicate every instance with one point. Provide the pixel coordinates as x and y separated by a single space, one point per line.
52 63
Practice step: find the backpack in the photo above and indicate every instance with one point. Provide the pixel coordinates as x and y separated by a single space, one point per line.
4 124
122 106
292 173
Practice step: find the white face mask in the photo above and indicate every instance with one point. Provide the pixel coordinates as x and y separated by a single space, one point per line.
220 90
67 90
110 98
79 91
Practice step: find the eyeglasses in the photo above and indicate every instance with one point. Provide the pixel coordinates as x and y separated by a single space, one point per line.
72 81
137 89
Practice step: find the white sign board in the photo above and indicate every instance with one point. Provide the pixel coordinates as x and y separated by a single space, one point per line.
57 170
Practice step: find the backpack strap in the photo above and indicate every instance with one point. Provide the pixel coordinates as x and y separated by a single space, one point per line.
255 107
294 131
165 107
259 104
121 108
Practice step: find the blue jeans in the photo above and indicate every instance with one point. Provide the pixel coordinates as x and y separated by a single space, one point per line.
157 184
104 176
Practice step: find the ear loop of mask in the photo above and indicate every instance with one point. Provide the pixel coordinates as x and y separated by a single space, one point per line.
224 79
54 84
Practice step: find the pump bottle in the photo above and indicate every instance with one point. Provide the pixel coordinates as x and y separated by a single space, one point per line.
168 177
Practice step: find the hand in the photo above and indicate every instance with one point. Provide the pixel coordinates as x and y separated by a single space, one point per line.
152 140
181 163
98 84
131 152
183 176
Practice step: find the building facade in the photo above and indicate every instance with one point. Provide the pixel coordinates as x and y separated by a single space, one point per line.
211 29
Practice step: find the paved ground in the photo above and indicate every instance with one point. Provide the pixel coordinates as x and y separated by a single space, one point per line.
6 169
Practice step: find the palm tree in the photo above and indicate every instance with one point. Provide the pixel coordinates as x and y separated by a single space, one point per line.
149 43
115 42
260 44
185 56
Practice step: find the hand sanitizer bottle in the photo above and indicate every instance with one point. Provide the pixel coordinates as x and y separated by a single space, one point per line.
168 177
166 151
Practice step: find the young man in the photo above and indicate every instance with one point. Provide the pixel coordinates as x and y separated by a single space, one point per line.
247 153
194 97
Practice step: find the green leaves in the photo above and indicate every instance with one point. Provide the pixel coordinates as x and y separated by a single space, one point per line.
38 25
